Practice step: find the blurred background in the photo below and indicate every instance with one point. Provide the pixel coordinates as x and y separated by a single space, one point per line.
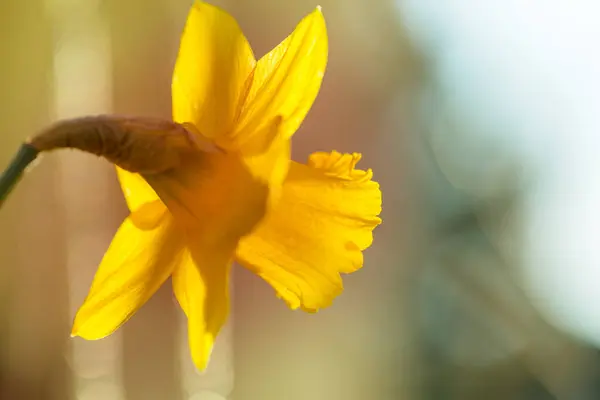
480 120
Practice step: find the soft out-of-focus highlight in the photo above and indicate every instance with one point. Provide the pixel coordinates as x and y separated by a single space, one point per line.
479 122
508 118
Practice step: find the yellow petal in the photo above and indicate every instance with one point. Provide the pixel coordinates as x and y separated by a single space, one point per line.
136 190
214 63
286 81
214 193
271 165
201 285
216 200
320 226
136 264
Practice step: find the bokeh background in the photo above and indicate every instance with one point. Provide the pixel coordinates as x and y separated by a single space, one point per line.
480 120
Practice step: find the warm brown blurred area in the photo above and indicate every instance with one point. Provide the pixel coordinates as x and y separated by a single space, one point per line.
63 59
438 311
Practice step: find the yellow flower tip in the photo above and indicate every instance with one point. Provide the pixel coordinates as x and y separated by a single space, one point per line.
313 305
94 323
81 331
76 329
201 3
201 355
204 6
291 299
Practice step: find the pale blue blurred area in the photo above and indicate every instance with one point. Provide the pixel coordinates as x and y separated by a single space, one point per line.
509 116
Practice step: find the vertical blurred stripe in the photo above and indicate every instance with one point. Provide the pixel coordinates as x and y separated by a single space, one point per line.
32 246
81 76
142 50
82 86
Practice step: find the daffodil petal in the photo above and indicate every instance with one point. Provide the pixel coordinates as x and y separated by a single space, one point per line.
215 193
286 82
201 283
136 190
271 165
212 71
320 226
216 200
136 264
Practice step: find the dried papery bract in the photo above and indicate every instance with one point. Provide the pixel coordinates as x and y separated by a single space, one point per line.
146 146
141 145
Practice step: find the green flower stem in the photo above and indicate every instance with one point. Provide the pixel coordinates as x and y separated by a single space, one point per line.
11 175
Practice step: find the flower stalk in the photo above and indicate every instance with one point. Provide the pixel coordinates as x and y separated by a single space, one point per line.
13 173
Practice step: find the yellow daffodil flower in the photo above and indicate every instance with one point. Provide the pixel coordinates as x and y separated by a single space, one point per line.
239 197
